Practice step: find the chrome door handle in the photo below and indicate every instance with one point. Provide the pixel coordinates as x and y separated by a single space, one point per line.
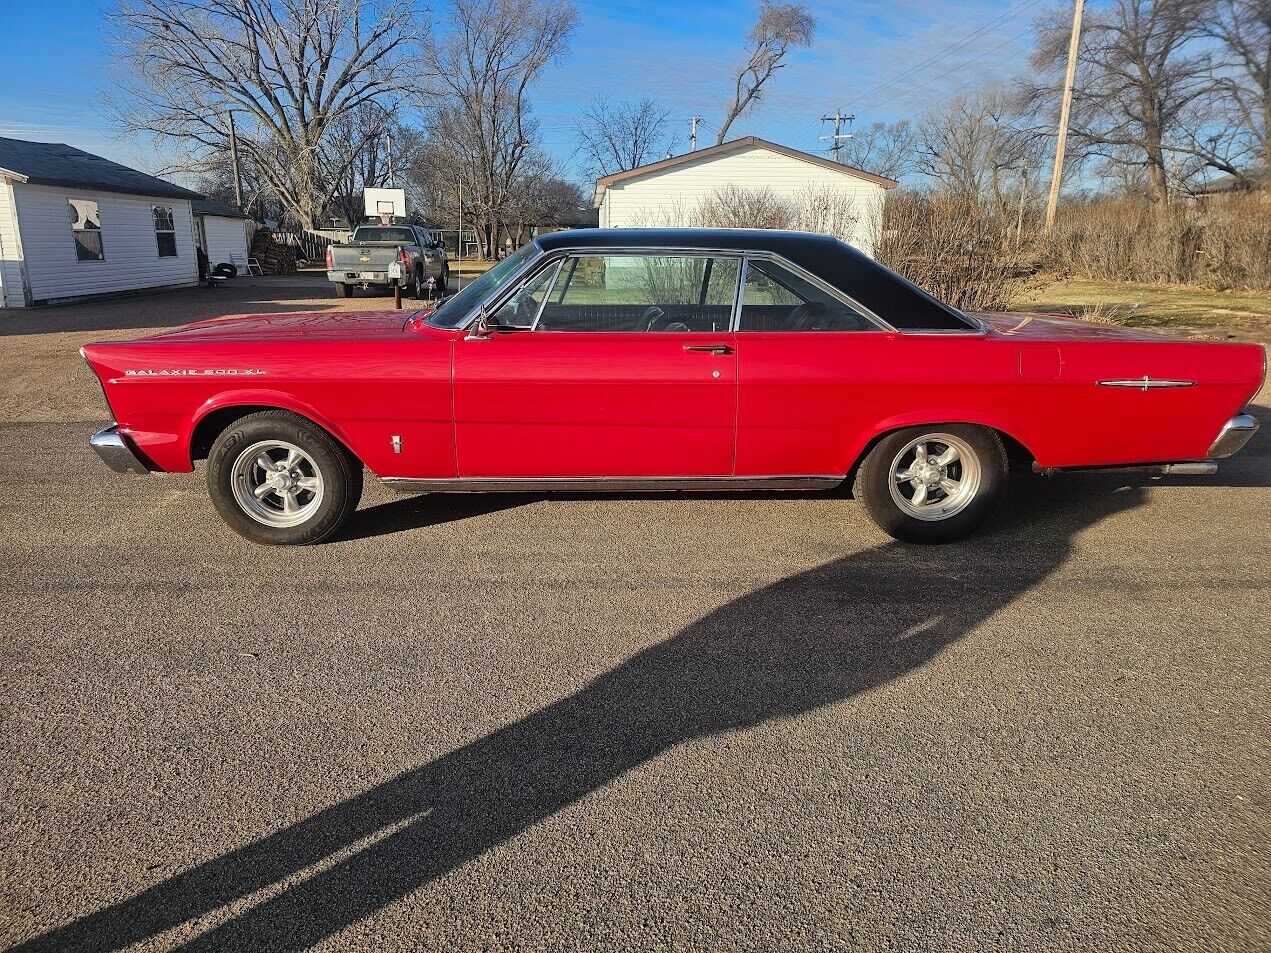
709 348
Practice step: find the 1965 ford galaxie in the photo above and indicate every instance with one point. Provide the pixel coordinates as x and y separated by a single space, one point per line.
628 360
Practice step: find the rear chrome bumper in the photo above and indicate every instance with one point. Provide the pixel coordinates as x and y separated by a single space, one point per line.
1234 435
117 451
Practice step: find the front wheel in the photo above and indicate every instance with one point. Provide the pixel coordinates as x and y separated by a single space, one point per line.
277 478
932 484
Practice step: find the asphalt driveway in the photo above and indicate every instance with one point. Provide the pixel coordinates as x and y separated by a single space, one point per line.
586 723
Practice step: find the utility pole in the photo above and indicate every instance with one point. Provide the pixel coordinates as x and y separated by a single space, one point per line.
838 119
233 158
1061 140
692 134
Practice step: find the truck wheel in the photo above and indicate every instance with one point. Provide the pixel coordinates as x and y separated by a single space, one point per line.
346 291
280 479
932 484
417 286
443 283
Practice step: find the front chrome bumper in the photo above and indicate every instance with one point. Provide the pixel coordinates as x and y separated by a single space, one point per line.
117 451
1234 435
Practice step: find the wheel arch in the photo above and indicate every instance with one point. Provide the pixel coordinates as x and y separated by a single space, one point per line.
1019 456
219 413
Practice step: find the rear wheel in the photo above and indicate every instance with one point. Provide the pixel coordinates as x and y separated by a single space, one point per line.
932 484
346 291
278 478
417 286
444 281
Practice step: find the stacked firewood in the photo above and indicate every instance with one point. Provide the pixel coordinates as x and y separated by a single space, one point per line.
275 258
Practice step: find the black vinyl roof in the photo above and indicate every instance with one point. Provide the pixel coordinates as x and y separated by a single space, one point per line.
894 299
55 163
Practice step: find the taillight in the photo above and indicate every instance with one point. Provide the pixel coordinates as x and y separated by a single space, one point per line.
330 259
404 258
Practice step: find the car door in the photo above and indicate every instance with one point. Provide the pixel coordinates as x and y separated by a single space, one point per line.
814 372
604 366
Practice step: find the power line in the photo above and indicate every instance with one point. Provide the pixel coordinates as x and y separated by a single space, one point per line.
947 51
900 97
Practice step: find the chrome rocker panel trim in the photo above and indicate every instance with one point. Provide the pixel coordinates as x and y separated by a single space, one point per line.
1234 435
116 451
609 484
1180 468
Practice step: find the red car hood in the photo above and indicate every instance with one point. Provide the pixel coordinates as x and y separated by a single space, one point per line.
309 326
1057 327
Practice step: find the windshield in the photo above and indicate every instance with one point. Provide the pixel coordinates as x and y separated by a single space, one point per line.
382 234
452 313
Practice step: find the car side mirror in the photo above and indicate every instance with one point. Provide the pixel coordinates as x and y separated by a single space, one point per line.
479 330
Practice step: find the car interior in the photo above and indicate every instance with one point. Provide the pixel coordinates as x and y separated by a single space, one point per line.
657 293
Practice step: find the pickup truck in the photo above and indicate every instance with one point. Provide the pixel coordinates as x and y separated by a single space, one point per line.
380 256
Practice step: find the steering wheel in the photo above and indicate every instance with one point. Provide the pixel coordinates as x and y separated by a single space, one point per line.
651 316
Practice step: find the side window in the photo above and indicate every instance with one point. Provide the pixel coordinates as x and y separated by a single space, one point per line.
776 299
642 293
86 229
165 232
520 310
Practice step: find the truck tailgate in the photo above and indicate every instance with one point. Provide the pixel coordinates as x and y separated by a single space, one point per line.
363 257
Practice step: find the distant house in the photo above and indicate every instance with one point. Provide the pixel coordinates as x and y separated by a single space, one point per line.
1230 185
74 225
671 192
220 230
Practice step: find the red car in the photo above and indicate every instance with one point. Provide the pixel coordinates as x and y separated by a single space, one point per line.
628 360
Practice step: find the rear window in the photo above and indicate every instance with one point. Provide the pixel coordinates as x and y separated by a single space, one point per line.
385 234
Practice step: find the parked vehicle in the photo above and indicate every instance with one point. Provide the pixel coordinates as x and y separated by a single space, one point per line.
380 256
628 360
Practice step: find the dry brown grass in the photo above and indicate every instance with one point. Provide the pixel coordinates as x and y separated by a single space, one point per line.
1221 243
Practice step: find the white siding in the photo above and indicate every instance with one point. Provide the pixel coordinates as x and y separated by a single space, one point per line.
671 196
226 240
128 240
11 293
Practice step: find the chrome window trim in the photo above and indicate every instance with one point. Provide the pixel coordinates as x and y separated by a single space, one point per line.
560 255
841 296
551 285
739 294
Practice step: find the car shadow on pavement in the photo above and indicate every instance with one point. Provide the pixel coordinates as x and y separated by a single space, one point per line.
814 639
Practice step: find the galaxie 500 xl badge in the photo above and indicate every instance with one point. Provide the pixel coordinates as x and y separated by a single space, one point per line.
196 372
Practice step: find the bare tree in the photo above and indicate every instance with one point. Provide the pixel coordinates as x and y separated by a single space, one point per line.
481 69
1138 74
367 134
975 144
616 136
888 149
288 69
779 27
1237 134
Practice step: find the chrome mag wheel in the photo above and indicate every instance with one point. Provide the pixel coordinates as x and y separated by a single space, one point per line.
935 476
276 483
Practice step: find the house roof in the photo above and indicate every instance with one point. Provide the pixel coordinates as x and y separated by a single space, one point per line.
55 163
1231 183
734 145
216 207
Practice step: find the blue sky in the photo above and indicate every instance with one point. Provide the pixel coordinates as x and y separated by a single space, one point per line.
53 81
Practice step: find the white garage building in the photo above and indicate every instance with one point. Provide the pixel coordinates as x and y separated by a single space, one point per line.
221 231
75 225
828 196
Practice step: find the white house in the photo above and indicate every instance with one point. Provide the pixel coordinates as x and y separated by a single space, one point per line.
74 225
220 230
826 195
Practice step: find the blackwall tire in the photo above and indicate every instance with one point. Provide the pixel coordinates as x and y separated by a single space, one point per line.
915 497
346 291
279 479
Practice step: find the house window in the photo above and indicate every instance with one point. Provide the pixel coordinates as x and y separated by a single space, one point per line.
86 228
165 232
